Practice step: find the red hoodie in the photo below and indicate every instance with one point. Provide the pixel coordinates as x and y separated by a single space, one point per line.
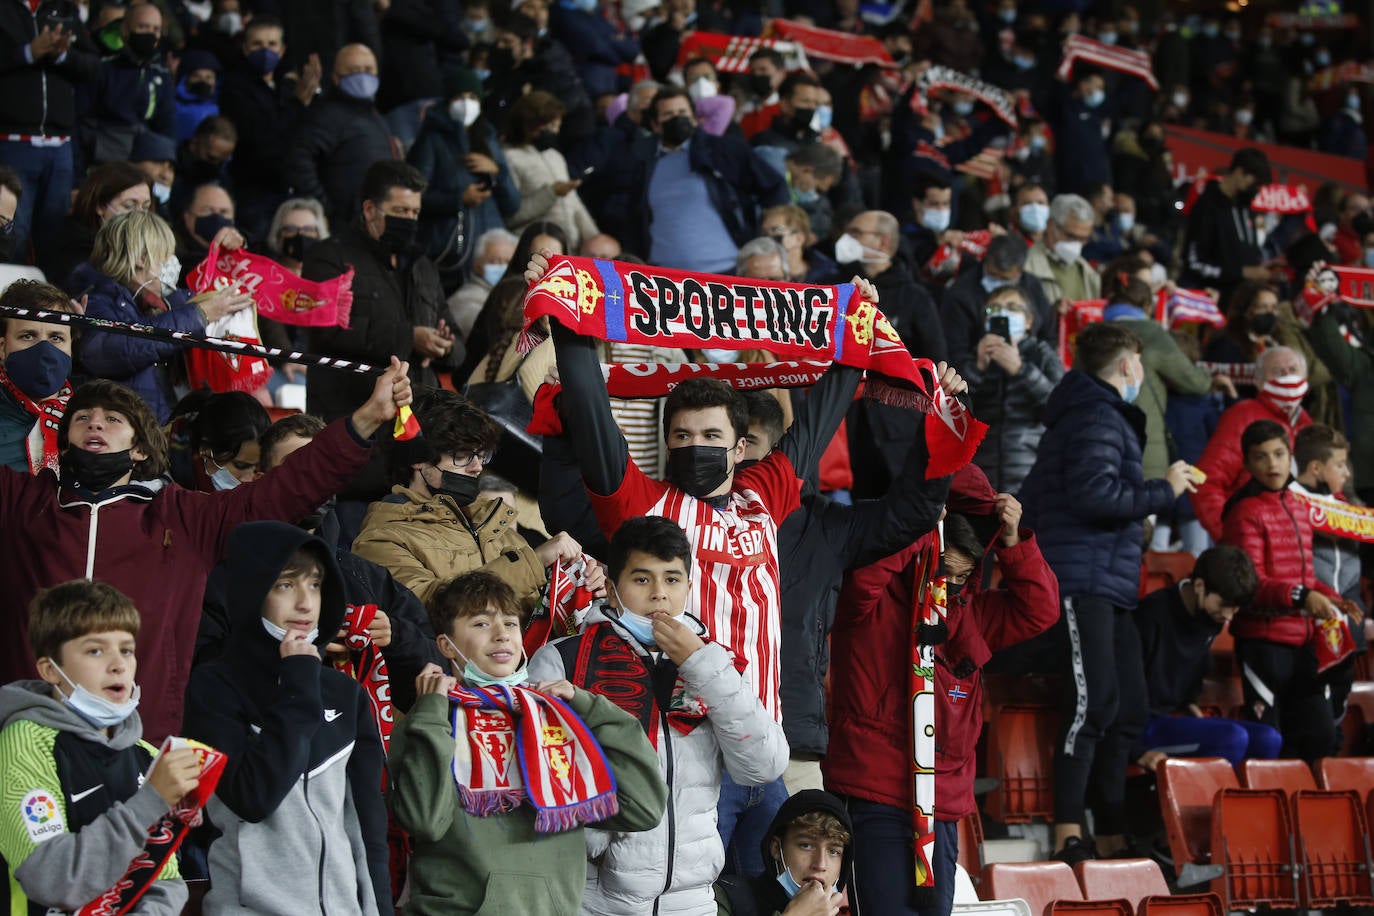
870 725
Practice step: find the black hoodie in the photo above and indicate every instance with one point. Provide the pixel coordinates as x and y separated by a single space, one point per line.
304 752
764 896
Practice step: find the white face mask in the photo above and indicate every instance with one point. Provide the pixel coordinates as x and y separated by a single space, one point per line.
1068 251
170 273
935 219
94 708
849 249
703 87
162 192
465 110
278 633
720 356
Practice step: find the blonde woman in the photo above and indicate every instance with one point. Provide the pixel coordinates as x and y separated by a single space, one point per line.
131 278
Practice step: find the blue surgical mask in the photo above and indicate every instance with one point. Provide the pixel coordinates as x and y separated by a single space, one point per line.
1023 63
40 370
1125 221
641 628
360 86
1130 391
482 75
825 115
493 273
224 479
806 197
1095 98
963 108
95 709
1037 143
936 220
1323 58
1107 38
789 883
473 676
1034 217
991 283
279 633
1007 16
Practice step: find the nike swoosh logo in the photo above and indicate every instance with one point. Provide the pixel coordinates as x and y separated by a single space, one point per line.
331 714
80 795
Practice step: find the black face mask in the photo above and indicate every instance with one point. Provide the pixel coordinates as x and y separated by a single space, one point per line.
95 471
1263 323
697 469
1245 197
952 590
295 246
201 89
399 234
746 463
761 86
143 45
461 488
801 118
500 60
545 139
314 520
6 245
678 130
209 225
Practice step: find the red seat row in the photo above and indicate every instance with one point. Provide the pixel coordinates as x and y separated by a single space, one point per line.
1107 887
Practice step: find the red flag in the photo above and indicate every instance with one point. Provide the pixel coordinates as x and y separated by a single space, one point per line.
278 293
406 427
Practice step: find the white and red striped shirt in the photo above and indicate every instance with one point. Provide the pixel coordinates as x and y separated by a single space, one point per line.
736 588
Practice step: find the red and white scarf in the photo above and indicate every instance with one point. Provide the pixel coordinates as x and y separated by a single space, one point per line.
630 303
370 668
1123 60
927 630
512 745
940 77
1187 306
564 606
164 837
1284 393
278 293
42 439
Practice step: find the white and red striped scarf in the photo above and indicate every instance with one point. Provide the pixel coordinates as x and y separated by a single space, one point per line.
370 668
1236 372
940 77
829 44
565 604
512 745
731 53
1123 60
1184 306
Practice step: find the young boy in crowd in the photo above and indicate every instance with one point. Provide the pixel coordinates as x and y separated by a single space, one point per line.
1274 634
467 860
1175 627
655 661
810 853
1322 457
72 761
34 386
299 805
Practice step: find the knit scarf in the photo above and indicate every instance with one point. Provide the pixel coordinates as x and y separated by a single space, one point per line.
1335 517
564 605
928 630
628 303
370 667
42 439
164 837
561 770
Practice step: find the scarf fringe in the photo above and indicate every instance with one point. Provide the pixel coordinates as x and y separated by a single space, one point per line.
884 392
490 803
569 817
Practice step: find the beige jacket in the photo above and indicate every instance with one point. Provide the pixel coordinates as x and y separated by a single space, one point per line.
535 173
1039 264
424 541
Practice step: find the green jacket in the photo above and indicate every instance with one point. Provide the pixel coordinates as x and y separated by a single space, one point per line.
499 866
1353 368
1166 369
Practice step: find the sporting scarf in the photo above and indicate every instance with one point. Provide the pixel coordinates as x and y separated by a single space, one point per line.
562 770
1349 72
164 837
628 303
47 413
1187 306
731 53
928 630
564 605
606 664
1336 517
1284 393
1080 314
370 667
1353 284
940 77
828 44
1332 642
228 371
1110 57
1236 372
1284 199
279 293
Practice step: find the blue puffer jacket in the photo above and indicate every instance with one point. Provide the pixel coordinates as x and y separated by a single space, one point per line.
141 363
1085 497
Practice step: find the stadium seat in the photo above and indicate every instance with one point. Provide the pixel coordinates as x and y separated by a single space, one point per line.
1346 773
963 885
1181 905
1040 884
1021 758
1287 775
971 846
1012 907
1362 696
1332 836
1118 907
1186 790
1132 879
1177 565
1252 839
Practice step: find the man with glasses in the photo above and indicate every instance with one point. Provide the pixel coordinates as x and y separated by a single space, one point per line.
1057 256
434 525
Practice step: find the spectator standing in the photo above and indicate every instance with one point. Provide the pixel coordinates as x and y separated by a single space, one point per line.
38 114
870 242
421 39
1221 247
1343 134
525 58
491 259
109 190
340 137
1083 128
133 91
598 48
547 192
963 311
323 29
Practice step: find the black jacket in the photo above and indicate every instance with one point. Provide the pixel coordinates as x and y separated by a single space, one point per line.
552 70
418 38
1220 240
1176 647
40 98
763 895
388 303
269 116
336 142
364 582
322 27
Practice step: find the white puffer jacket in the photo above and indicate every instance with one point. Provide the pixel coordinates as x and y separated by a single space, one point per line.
676 863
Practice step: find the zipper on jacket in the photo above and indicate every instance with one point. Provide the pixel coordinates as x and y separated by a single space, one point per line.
319 874
672 812
473 529
93 529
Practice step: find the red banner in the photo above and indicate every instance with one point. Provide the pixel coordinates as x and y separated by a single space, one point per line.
1338 519
1080 314
1356 284
828 44
1309 22
731 53
1199 153
279 294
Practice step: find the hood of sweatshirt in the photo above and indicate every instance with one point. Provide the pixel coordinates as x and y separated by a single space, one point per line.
34 701
255 556
806 802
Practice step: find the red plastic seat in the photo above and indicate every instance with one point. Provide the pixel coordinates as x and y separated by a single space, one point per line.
1177 565
1362 696
1181 905
1021 757
1119 907
1252 838
1133 879
1333 847
1040 884
971 846
1186 790
1338 773
1287 775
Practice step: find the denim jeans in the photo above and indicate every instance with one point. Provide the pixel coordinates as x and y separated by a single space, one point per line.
46 174
1234 739
884 863
743 816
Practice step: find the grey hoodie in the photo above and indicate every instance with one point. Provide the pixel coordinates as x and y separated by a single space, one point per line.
59 867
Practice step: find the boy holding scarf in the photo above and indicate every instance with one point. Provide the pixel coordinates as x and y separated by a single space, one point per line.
78 810
494 781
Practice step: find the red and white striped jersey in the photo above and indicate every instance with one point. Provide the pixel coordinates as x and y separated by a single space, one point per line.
736 587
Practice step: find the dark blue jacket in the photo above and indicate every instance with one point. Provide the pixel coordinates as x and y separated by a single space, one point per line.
191 110
141 363
596 48
1080 130
129 97
739 182
1085 497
